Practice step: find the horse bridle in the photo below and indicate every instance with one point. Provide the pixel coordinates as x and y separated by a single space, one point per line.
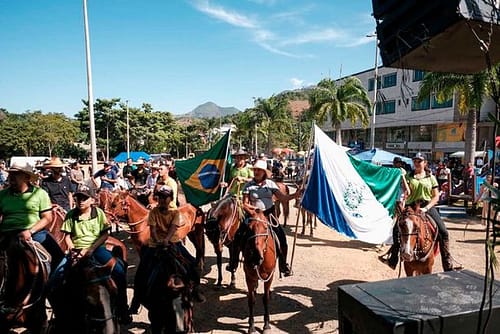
420 249
266 235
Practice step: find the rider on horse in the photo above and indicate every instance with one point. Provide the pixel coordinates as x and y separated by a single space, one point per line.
163 222
240 174
258 194
86 230
26 211
58 186
424 195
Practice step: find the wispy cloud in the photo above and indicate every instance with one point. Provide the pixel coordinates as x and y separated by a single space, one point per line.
224 15
264 2
297 83
315 36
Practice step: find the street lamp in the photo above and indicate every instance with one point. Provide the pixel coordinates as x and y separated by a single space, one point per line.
375 79
128 134
93 146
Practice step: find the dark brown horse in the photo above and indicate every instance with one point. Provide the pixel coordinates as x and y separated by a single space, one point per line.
24 268
260 259
418 245
308 218
84 300
223 220
128 209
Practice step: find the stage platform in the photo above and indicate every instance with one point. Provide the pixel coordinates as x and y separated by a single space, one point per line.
444 303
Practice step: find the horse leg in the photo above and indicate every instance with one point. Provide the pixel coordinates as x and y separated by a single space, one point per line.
286 212
252 291
37 323
197 238
303 213
265 298
218 253
309 221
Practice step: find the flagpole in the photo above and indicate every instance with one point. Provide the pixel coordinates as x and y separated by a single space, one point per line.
309 144
225 160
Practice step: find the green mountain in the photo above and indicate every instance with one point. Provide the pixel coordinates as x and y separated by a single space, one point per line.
211 110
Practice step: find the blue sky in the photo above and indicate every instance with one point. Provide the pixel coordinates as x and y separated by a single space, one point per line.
176 54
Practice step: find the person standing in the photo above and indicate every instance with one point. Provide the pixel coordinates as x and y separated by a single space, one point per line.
76 174
58 186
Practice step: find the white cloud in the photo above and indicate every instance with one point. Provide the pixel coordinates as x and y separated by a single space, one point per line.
316 36
297 83
224 15
264 2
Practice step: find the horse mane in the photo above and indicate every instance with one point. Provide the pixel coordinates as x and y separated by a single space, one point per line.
220 204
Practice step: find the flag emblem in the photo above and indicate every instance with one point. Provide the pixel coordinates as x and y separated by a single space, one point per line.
207 176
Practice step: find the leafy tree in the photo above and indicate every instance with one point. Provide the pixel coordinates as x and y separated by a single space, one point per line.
470 90
338 103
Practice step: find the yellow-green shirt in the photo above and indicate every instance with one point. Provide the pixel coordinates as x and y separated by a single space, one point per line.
85 232
237 186
162 222
420 189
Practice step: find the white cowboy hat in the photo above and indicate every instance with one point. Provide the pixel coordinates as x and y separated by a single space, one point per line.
54 162
26 169
140 161
261 164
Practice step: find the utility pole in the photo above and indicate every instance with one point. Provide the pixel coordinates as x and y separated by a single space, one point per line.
128 134
375 78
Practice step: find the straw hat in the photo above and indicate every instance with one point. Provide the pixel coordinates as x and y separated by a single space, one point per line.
26 169
240 153
261 164
54 162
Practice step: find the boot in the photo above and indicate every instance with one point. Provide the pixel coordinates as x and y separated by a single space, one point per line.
444 248
393 259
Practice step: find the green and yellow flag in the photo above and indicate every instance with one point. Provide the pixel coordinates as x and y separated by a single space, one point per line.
200 177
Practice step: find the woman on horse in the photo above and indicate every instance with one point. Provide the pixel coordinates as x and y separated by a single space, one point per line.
424 195
86 230
258 194
26 211
163 221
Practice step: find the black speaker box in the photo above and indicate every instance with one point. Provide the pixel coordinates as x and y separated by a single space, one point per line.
444 303
438 35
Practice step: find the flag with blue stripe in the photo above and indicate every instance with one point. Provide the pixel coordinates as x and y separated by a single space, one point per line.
354 197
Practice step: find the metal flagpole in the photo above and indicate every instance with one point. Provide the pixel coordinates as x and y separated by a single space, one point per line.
311 136
93 147
128 134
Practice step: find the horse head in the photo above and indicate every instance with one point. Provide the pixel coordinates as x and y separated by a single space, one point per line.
259 238
223 220
410 224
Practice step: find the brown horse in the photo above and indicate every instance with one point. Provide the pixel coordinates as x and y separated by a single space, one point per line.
260 259
223 220
24 268
279 205
418 245
308 218
127 208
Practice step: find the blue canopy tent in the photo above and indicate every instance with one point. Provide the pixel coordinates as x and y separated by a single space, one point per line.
378 156
122 157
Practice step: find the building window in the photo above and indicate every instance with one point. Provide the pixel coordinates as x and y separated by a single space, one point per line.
418 75
371 84
421 133
390 80
387 107
396 135
424 105
444 104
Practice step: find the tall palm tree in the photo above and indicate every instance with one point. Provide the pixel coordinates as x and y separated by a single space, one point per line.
347 101
275 119
470 90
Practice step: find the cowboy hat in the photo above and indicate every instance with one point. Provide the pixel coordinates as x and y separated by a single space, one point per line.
54 162
26 169
240 152
140 161
261 164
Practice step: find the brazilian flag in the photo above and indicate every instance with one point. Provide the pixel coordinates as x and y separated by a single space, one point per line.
200 177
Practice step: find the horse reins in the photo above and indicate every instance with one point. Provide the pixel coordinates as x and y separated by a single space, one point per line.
266 235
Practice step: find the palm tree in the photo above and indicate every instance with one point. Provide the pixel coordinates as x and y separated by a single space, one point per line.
470 90
348 101
275 118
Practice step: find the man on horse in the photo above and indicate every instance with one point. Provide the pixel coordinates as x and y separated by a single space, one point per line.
26 211
424 195
164 221
58 186
86 230
258 194
240 174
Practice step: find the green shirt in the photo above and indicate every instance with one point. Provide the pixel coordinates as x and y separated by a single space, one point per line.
85 232
420 189
22 211
237 186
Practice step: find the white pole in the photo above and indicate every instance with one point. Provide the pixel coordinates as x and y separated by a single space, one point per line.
375 77
128 134
93 148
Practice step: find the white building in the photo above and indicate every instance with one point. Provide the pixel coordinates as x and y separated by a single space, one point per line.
404 126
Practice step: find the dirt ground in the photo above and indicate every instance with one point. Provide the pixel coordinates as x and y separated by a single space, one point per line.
307 301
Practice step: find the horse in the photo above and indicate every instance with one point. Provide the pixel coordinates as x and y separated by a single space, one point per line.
83 298
24 271
127 208
168 298
260 259
418 245
221 225
278 204
307 219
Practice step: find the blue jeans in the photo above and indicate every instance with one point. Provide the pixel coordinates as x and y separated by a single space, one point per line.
48 242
